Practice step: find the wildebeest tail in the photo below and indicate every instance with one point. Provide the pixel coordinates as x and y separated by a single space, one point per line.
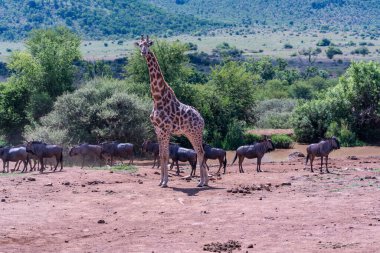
307 158
61 160
234 159
225 163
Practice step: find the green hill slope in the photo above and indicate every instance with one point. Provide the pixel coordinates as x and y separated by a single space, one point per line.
94 19
315 13
99 19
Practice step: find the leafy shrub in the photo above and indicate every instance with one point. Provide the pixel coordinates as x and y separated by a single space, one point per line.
250 138
235 135
332 51
274 113
361 50
346 137
301 90
100 110
311 120
282 141
324 42
288 46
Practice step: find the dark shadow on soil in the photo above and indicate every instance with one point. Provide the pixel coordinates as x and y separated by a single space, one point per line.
194 191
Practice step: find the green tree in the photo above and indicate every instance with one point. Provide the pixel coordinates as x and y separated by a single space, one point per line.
356 98
15 94
173 61
55 49
235 85
332 51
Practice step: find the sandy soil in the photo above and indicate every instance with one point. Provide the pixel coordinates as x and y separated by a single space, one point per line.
284 209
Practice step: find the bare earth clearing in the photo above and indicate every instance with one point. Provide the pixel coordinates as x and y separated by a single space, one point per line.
284 209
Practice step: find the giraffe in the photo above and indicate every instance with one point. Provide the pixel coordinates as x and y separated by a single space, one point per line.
171 117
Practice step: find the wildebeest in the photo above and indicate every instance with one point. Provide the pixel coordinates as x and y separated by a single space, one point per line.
256 150
14 154
177 153
153 148
43 150
85 150
321 149
215 153
117 149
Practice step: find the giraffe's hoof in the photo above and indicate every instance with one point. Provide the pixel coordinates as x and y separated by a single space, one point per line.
164 186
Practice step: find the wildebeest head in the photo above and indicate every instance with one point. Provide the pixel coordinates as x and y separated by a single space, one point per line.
32 146
73 151
270 145
144 146
144 45
206 145
335 143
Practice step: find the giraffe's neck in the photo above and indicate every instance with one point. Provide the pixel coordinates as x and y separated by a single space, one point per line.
158 87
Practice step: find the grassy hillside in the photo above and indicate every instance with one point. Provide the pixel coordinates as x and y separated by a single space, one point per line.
95 19
314 13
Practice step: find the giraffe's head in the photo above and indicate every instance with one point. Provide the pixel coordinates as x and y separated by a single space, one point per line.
144 45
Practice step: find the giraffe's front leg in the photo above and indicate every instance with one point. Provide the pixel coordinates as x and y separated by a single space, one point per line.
163 139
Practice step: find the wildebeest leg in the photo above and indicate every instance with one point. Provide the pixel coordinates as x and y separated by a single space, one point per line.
178 167
241 159
25 169
311 162
131 159
42 165
321 163
258 166
193 168
220 164
205 161
154 161
83 157
327 169
17 164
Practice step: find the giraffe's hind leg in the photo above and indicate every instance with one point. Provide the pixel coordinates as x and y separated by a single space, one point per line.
196 141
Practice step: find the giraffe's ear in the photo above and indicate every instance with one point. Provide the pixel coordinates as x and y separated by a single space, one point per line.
150 43
136 44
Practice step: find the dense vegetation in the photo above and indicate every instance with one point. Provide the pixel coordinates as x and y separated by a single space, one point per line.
120 18
43 100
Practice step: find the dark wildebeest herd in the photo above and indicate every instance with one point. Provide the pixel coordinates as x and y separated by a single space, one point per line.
37 151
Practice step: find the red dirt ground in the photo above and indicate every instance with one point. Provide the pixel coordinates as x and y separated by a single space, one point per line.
62 211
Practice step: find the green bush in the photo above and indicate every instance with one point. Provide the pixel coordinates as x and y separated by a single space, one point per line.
282 141
311 121
250 138
102 109
361 50
301 90
235 135
324 42
346 137
274 113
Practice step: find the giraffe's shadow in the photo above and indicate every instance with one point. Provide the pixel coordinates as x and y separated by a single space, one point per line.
194 191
